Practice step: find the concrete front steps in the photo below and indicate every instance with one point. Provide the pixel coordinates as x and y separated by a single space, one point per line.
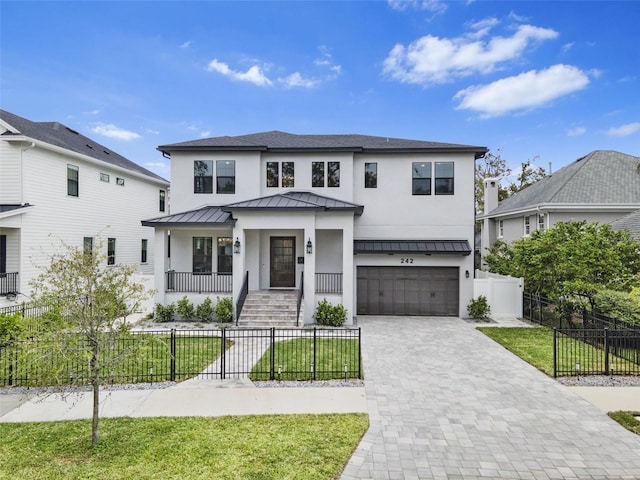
270 308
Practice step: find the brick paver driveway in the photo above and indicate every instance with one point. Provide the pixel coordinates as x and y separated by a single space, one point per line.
446 402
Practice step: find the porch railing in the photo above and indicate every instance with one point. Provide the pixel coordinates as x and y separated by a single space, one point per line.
198 282
328 283
244 291
8 283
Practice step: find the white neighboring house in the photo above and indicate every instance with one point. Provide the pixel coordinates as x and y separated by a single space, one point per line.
59 186
381 225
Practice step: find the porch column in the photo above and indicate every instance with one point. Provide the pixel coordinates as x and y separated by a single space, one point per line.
348 285
160 264
309 275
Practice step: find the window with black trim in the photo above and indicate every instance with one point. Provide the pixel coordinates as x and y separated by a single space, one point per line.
203 176
202 254
111 251
333 174
317 174
162 198
273 173
87 245
225 255
143 250
444 178
225 176
120 181
72 180
421 182
370 175
104 177
288 174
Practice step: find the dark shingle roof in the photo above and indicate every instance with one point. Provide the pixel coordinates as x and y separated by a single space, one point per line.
295 201
281 141
630 223
59 135
427 247
206 216
600 178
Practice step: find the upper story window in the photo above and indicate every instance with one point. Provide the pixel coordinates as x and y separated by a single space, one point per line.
541 221
203 176
104 177
527 225
72 180
370 175
500 228
333 174
225 176
162 199
317 174
120 181
111 251
273 174
421 182
444 178
202 254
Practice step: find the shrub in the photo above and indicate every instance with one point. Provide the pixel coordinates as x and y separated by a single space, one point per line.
12 327
164 313
185 309
224 310
479 308
618 305
330 315
204 311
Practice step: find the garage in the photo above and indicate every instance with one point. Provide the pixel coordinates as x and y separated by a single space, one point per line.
408 290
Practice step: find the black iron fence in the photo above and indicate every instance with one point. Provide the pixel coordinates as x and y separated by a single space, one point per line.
189 282
151 356
328 282
600 351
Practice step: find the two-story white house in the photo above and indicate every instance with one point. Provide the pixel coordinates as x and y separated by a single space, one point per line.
381 225
56 186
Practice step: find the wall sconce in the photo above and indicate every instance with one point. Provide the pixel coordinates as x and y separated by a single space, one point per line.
309 246
466 273
236 246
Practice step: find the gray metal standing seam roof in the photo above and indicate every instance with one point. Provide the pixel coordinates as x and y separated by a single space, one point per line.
205 216
600 178
426 247
283 141
295 201
59 135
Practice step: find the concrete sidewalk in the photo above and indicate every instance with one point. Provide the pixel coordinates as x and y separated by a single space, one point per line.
204 398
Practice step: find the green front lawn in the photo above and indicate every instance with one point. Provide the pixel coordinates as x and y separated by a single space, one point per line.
253 447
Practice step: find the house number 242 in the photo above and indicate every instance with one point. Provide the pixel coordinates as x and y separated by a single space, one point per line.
406 260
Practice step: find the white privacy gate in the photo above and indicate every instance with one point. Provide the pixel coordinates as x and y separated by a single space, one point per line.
503 293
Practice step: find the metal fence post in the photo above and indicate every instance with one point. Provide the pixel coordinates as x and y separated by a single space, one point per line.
555 357
606 350
360 352
173 355
272 359
315 363
223 354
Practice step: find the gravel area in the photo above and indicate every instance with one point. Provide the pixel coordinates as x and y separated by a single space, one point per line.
601 381
82 388
351 382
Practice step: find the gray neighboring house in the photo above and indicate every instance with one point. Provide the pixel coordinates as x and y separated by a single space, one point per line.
630 223
601 187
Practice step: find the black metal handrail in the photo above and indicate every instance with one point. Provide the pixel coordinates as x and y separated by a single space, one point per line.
328 282
299 301
210 282
8 283
244 291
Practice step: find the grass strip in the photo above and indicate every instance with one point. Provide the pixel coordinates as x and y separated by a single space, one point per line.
628 420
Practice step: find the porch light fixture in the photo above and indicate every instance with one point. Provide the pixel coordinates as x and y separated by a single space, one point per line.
309 246
466 273
236 246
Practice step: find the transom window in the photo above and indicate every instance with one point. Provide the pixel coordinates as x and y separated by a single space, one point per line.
226 176
203 176
370 175
202 254
72 180
225 255
421 182
444 178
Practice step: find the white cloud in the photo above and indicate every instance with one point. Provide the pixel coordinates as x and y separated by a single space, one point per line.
296 80
92 112
434 60
186 44
526 91
111 131
433 6
482 27
254 75
576 131
326 61
205 134
624 130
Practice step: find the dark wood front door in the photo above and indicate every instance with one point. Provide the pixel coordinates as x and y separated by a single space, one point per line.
283 262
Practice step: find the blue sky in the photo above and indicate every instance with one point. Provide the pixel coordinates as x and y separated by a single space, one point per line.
531 80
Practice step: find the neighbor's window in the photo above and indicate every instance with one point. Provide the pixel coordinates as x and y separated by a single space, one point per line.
370 175
444 178
288 174
421 183
333 174
527 225
541 221
225 255
500 228
163 196
272 174
143 251
317 174
111 251
72 180
87 245
202 254
104 177
203 176
226 176
120 181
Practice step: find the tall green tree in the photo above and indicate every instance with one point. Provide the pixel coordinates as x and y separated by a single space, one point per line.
572 258
94 298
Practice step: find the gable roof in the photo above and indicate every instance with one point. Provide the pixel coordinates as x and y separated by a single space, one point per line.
276 141
59 135
603 177
630 223
295 201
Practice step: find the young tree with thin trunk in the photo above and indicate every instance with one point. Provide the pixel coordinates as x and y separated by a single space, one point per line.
93 299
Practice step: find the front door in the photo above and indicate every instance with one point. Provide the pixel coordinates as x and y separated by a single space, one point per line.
283 264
